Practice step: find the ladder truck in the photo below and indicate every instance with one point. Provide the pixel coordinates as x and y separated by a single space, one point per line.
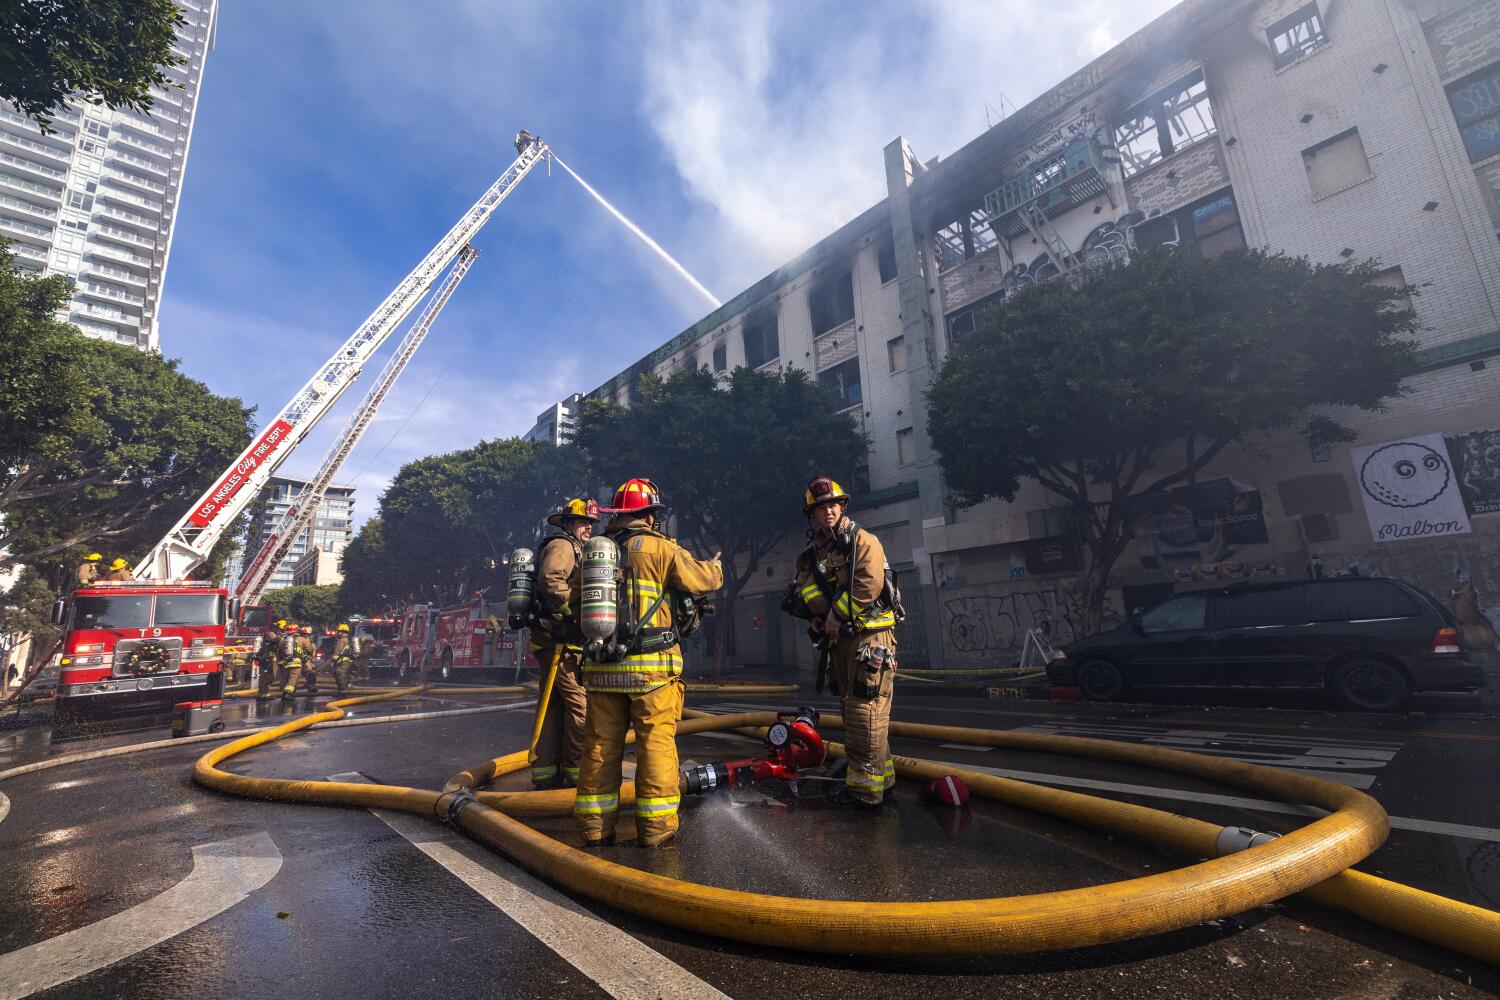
160 633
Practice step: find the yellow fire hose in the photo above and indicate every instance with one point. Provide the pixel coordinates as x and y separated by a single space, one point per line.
1312 858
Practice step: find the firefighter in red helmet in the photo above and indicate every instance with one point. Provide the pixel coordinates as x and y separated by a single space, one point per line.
643 690
846 589
556 634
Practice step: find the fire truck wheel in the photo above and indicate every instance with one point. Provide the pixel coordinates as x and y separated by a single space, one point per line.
445 667
217 727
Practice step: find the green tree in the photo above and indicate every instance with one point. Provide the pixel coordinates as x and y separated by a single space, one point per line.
313 605
108 52
732 456
101 446
1112 393
368 573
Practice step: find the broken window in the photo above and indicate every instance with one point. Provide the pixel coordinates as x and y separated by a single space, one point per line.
887 260
964 239
906 447
762 345
1297 35
1336 164
721 356
844 381
895 350
1167 123
831 303
1392 277
1475 101
966 321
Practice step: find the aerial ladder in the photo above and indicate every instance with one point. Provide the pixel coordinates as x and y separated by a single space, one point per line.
295 520
192 538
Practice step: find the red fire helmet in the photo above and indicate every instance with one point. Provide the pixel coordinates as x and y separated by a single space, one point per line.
950 790
636 496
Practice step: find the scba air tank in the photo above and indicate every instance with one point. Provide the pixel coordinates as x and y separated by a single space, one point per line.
599 584
522 587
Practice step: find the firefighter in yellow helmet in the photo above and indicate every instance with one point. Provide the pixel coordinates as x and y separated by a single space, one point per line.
345 649
557 634
298 665
88 569
270 658
119 571
643 690
842 581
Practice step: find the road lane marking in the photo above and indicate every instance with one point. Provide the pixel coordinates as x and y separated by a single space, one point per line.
1261 805
223 874
621 965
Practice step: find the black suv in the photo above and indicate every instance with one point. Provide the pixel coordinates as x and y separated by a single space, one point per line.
1370 642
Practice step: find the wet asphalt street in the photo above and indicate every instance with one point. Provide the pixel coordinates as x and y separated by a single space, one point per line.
342 902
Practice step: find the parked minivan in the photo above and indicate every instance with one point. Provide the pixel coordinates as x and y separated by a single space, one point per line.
1368 641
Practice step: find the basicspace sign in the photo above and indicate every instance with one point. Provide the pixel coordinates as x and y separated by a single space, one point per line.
1409 489
254 457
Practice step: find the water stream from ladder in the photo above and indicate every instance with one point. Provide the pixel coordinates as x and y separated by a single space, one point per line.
697 285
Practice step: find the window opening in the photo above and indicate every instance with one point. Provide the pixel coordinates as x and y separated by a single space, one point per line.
1297 35
1167 123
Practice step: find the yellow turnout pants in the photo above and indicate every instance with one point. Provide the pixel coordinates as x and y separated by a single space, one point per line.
560 744
653 716
867 718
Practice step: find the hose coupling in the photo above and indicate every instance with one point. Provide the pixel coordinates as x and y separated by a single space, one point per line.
1233 839
456 803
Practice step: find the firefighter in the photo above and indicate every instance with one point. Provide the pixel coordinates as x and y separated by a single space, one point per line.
297 664
270 657
119 571
557 634
236 669
841 577
345 649
88 569
644 690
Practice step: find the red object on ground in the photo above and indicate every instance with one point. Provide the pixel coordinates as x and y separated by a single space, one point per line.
949 790
1066 694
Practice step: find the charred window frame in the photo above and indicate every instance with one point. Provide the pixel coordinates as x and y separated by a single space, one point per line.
831 303
886 260
1297 35
843 379
762 341
963 239
963 322
721 356
1165 124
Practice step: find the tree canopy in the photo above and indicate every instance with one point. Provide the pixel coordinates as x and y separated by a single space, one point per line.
731 454
308 604
1112 392
107 52
101 446
448 523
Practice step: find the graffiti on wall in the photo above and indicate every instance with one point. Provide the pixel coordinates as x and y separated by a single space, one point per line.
983 625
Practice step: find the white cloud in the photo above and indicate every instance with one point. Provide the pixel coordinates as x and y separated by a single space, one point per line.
775 115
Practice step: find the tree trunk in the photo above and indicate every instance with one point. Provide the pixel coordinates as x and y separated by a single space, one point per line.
1093 587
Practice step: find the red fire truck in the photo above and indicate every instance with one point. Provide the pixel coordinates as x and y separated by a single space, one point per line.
141 640
377 637
462 642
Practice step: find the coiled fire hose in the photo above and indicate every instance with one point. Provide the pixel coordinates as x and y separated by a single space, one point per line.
1311 859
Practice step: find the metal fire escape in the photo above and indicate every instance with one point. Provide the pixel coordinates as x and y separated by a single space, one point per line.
1050 186
191 539
295 520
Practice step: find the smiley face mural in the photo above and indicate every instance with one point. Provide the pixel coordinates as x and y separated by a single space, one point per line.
1409 489
1405 474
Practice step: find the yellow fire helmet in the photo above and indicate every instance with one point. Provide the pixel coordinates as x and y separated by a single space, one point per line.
281 623
118 563
822 490
586 508
343 627
92 557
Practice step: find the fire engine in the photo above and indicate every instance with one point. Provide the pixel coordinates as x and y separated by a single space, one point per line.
377 637
462 642
140 640
159 633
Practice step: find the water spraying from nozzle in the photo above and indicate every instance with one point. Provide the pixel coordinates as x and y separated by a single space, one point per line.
637 230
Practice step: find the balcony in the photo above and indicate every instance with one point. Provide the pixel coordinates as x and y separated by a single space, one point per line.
32 146
116 153
31 166
29 252
109 292
30 208
117 176
115 273
123 235
141 143
147 126
106 312
125 215
1052 186
25 228
113 252
22 184
131 198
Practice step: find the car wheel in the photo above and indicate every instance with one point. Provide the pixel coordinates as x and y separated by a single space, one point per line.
1370 686
1101 680
445 668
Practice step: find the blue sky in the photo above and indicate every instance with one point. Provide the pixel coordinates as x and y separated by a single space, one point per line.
337 141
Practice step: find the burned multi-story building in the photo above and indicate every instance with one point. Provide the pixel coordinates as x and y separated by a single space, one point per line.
1334 129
